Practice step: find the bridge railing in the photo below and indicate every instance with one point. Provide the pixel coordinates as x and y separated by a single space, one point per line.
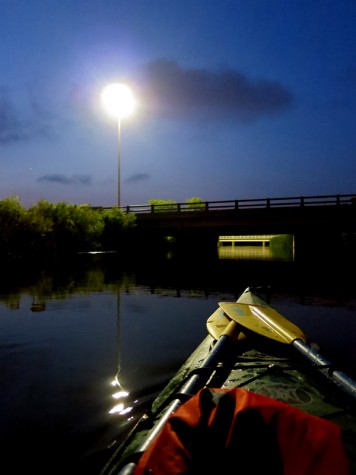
294 201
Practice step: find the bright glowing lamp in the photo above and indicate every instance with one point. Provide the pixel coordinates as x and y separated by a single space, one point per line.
118 100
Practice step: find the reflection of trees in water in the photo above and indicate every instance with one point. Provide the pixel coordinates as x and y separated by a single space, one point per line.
59 280
87 273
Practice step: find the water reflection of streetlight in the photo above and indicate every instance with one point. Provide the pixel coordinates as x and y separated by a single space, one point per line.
120 395
119 102
121 406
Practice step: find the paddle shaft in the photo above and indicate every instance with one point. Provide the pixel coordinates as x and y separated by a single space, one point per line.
191 387
340 378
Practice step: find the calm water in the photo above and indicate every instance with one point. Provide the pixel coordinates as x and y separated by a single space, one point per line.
69 331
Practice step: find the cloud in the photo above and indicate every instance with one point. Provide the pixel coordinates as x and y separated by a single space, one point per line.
21 126
138 177
65 180
168 89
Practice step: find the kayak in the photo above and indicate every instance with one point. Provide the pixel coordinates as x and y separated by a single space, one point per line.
253 390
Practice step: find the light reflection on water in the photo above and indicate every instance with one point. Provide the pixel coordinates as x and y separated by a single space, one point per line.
245 252
239 252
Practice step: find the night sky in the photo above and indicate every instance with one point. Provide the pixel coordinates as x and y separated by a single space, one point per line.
235 99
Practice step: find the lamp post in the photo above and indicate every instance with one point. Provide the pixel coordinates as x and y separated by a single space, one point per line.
119 102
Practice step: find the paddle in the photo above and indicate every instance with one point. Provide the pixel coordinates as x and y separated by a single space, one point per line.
217 325
267 322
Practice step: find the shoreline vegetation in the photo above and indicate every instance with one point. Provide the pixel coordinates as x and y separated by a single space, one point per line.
54 229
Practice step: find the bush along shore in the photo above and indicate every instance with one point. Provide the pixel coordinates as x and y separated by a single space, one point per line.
56 229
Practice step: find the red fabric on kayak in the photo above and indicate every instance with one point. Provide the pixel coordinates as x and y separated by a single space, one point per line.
237 431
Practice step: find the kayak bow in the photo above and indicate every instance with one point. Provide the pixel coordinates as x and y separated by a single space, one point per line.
249 345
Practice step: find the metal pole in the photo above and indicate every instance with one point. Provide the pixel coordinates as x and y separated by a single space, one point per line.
118 161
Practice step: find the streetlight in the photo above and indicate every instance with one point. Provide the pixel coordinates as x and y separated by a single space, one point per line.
119 102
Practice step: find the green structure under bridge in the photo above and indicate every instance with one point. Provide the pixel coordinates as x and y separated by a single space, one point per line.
263 239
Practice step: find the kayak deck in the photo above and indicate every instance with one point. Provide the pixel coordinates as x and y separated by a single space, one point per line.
258 365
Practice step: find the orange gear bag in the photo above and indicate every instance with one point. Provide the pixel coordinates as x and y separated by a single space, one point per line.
237 431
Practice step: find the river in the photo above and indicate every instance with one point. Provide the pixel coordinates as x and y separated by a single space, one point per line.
73 334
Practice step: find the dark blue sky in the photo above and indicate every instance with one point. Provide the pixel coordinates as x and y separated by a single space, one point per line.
236 99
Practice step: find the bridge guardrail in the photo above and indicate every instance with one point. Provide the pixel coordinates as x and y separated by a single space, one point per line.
294 201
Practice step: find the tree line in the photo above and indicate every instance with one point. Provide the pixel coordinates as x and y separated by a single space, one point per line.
61 228
58 228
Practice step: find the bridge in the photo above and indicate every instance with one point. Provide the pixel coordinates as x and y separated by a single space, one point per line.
311 219
228 205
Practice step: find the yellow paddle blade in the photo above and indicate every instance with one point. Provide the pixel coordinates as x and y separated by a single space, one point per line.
264 321
218 325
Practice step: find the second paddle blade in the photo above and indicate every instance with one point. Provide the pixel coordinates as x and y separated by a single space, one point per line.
264 321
